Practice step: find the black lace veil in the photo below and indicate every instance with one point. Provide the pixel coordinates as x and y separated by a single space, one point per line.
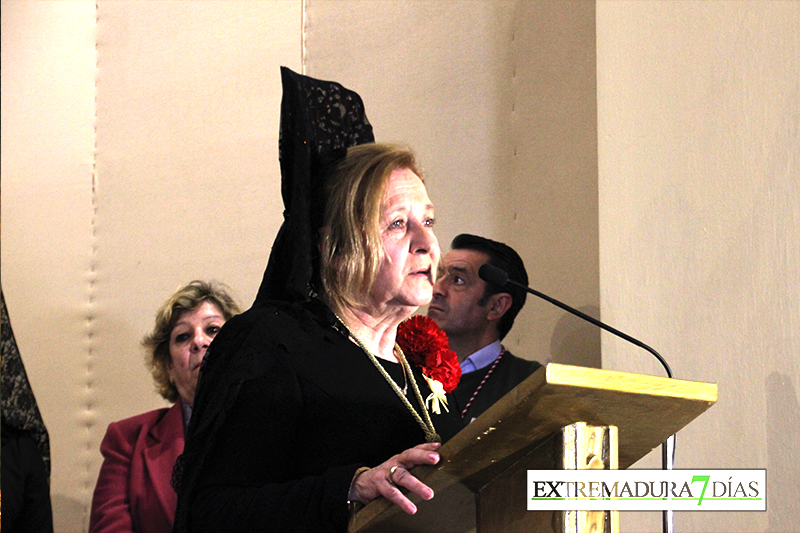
20 410
320 120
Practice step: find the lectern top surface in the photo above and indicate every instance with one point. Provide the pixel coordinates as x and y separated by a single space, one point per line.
645 409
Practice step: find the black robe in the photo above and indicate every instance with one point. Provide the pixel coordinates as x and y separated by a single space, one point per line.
287 409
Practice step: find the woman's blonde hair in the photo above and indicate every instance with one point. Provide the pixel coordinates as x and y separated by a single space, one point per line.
187 298
351 250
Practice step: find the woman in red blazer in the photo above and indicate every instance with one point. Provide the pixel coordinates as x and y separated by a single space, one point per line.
133 491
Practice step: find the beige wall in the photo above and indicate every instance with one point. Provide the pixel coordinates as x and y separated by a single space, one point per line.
699 136
139 150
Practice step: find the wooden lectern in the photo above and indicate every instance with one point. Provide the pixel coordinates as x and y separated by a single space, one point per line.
560 417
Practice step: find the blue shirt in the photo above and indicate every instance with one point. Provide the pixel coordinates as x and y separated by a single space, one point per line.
482 358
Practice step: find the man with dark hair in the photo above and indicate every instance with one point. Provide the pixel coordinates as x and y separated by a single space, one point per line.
476 316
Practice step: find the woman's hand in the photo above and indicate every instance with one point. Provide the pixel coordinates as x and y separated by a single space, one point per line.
387 478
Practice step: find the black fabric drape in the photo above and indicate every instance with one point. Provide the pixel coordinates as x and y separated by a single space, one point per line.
320 120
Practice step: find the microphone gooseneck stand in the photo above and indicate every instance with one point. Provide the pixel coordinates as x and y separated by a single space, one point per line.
498 277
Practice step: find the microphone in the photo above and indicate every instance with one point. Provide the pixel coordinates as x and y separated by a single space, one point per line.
499 277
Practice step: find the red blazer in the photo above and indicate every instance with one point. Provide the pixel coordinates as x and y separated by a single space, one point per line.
133 491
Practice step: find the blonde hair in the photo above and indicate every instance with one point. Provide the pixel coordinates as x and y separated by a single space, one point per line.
351 250
187 298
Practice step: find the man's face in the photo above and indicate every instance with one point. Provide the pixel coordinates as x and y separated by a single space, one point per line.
456 295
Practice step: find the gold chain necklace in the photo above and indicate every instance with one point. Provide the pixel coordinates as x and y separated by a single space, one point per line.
427 423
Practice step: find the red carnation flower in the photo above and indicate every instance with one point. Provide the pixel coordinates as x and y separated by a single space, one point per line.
427 346
448 372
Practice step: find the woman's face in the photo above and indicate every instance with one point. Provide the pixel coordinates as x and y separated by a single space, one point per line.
408 271
188 342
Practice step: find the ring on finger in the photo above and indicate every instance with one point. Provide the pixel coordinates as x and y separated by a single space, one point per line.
391 475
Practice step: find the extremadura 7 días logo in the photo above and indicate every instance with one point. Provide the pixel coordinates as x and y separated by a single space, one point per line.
647 490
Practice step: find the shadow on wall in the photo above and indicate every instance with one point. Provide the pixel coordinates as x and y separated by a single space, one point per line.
782 460
575 341
67 514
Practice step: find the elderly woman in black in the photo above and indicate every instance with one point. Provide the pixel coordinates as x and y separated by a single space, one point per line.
309 404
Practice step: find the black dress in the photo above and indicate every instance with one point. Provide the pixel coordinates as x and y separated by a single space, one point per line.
287 409
25 485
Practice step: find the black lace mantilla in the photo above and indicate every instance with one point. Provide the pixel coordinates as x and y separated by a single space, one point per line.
20 410
320 120
338 116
